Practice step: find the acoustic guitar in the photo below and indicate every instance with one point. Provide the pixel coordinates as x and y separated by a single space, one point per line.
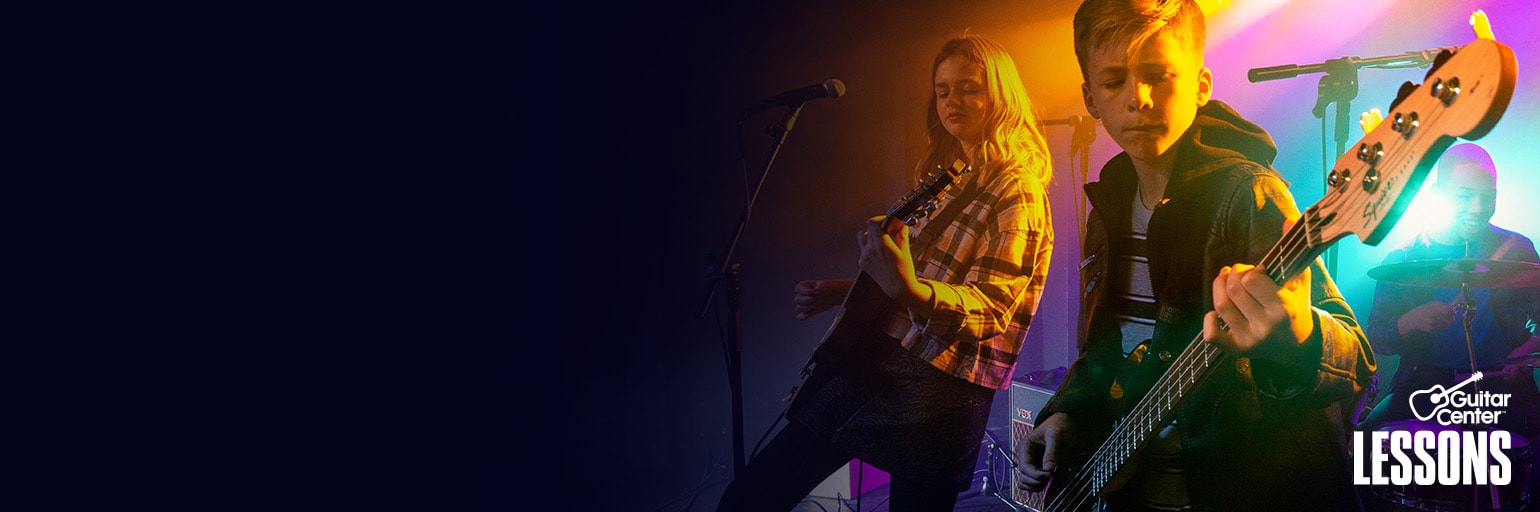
866 309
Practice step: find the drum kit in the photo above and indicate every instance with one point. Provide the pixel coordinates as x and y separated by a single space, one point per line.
1459 273
1464 274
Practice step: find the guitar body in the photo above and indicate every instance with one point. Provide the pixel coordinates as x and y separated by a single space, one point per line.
867 309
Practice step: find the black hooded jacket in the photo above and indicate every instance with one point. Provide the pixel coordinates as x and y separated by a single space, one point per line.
1256 435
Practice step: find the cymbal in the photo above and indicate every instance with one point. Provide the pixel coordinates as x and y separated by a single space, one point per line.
1453 272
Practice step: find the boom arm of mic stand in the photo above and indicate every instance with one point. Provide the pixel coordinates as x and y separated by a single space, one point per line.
1079 144
1405 60
1340 86
779 132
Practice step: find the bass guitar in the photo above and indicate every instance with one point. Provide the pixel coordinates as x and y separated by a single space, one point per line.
866 308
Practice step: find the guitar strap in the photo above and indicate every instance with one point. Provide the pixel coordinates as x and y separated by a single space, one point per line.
897 323
923 240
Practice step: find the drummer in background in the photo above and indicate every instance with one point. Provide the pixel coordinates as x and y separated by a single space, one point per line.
1420 324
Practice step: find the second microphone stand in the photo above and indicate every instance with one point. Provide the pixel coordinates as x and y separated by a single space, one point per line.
1339 86
1079 147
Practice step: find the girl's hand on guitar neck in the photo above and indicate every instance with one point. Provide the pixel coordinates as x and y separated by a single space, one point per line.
813 297
885 257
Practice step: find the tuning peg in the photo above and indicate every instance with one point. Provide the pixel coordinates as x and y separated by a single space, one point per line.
1406 124
1371 154
1337 177
1446 91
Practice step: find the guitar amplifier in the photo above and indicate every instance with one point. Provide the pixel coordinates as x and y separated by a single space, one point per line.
1026 401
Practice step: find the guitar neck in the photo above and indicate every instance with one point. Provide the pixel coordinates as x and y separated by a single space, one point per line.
1290 256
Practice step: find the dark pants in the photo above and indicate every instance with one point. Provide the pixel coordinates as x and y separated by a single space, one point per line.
796 461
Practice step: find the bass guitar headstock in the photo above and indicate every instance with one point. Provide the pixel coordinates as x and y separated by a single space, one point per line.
1463 95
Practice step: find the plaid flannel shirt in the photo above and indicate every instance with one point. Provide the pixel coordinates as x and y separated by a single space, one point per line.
987 269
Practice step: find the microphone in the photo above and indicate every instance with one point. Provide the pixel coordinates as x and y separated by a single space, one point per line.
831 88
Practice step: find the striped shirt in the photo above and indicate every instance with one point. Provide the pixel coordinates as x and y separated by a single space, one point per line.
987 270
1164 487
1136 296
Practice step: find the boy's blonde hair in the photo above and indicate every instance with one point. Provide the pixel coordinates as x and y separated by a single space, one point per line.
1100 22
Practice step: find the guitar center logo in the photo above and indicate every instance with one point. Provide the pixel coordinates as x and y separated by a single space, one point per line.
1454 406
1451 443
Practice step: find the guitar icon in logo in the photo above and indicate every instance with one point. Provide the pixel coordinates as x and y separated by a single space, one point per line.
1439 398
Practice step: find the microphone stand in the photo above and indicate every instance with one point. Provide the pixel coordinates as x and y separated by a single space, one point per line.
1339 85
727 272
1079 144
992 488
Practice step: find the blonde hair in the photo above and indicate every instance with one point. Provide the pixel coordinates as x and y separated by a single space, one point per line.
1100 22
1012 138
